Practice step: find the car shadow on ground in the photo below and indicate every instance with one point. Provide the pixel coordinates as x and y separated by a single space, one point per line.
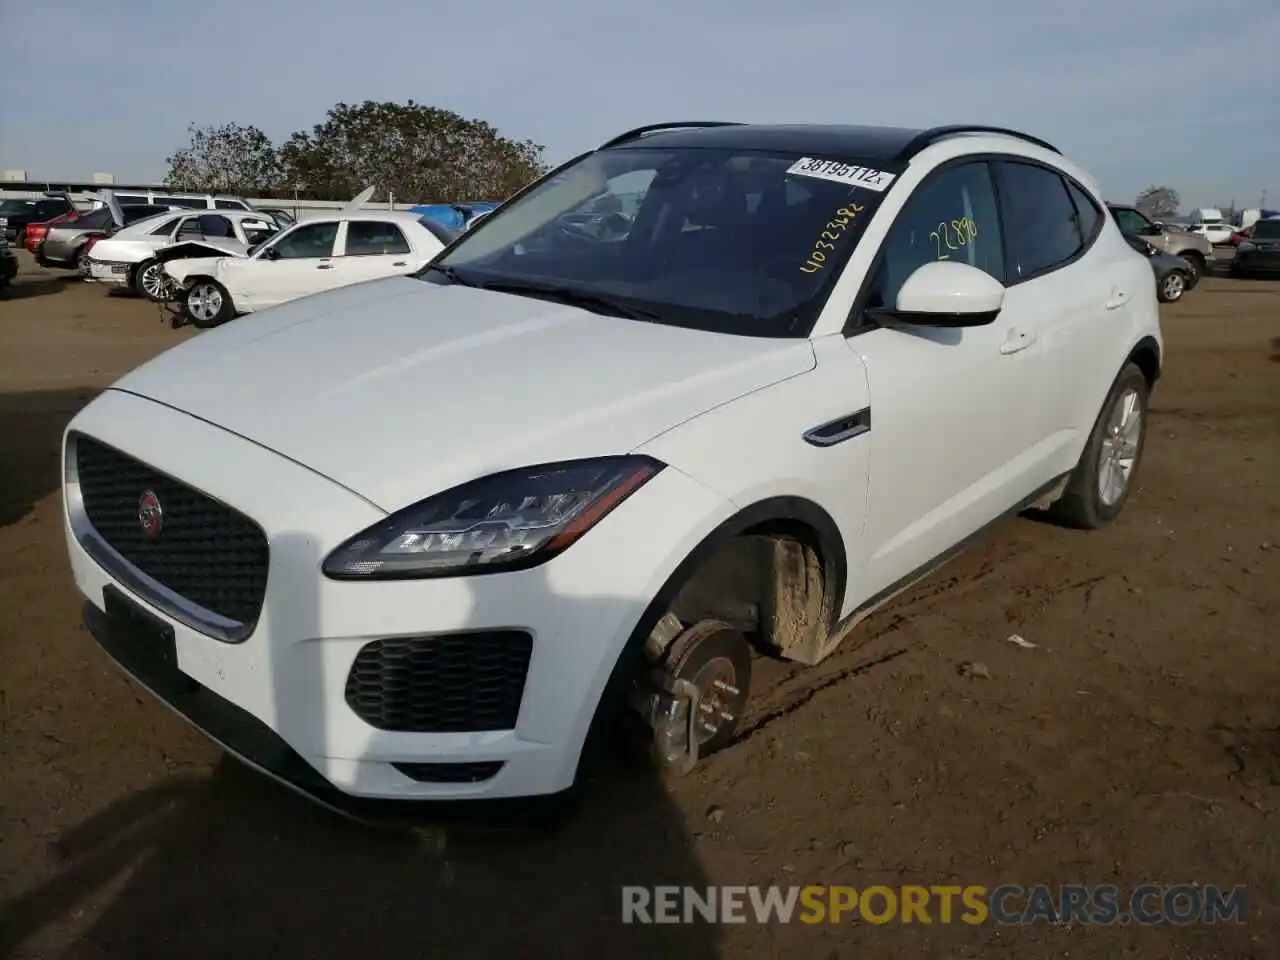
24 288
31 425
237 865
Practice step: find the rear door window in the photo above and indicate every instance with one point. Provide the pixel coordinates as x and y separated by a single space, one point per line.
373 238
1042 227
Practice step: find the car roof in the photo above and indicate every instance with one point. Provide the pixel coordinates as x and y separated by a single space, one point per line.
887 147
399 216
877 144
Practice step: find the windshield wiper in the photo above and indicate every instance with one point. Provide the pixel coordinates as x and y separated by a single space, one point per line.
450 273
596 303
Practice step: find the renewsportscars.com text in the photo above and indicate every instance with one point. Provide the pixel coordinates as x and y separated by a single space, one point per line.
1147 904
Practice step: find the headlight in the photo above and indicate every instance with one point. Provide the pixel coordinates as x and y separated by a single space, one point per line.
507 521
1245 246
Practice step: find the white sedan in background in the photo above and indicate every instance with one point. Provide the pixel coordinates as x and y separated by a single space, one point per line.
318 254
128 258
1215 233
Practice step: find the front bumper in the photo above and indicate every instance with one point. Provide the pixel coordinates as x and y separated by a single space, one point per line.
278 697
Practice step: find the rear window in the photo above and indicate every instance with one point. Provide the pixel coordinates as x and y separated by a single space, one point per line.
94 219
1266 230
16 206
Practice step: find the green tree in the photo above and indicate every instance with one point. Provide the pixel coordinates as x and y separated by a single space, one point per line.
416 152
1158 202
231 158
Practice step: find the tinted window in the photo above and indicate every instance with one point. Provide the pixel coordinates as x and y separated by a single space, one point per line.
228 205
134 213
951 216
1088 215
166 227
739 241
1265 230
51 208
308 240
134 198
1131 222
188 203
95 219
370 238
1040 219
16 206
216 225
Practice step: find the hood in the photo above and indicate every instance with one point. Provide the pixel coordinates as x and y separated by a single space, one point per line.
196 265
211 248
398 389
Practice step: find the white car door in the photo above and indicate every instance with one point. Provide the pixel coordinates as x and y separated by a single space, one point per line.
1071 295
298 263
374 249
953 410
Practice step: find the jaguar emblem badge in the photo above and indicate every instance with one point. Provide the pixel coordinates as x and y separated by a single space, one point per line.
150 514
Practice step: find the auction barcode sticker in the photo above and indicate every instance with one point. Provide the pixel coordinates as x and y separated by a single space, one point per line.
834 170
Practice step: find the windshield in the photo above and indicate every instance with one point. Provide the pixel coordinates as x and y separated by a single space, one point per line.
1266 230
736 241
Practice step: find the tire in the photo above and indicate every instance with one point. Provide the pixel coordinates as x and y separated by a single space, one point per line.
206 303
150 281
1092 498
1197 264
1172 287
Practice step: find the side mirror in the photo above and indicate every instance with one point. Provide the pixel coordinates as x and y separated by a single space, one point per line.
1151 230
271 253
946 294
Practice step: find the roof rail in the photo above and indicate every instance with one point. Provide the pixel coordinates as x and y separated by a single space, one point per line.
652 127
927 138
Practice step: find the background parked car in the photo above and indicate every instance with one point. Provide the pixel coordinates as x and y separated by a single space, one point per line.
15 215
1218 232
1261 252
35 232
8 263
315 255
66 245
187 201
127 259
1174 276
1195 250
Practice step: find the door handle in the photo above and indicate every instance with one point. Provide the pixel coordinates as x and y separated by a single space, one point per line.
324 266
1016 341
400 263
1118 299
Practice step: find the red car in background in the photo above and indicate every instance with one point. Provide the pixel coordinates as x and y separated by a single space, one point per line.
35 232
1240 236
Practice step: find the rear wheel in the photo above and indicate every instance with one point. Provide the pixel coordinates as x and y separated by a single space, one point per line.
207 304
1102 480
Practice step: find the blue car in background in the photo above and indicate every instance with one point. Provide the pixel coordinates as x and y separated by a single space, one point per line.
454 216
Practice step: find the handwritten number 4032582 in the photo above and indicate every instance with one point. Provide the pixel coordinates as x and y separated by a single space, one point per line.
962 231
834 230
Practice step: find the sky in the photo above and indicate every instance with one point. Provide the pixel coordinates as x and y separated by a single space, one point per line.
1178 92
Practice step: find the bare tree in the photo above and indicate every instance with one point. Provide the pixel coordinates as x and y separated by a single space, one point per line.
1157 202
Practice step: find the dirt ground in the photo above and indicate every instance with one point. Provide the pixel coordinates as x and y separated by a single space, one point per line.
1139 740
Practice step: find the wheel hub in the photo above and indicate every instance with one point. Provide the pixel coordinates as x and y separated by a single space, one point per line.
1119 448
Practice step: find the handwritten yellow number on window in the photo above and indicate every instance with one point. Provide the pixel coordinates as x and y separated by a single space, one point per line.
963 231
832 231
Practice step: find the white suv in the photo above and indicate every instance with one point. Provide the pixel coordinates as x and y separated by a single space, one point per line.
424 538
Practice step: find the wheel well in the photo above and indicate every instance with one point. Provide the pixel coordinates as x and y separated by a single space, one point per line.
1146 354
779 579
1195 255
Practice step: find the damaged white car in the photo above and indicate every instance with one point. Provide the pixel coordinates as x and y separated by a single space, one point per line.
130 258
319 254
